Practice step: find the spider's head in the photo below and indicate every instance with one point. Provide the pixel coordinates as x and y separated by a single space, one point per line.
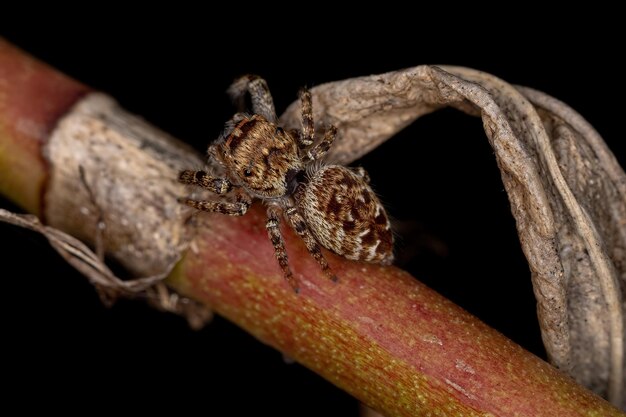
259 155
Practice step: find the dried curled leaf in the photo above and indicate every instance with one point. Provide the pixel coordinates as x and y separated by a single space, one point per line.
567 194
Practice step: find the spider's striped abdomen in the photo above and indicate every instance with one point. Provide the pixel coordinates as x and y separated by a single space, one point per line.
345 216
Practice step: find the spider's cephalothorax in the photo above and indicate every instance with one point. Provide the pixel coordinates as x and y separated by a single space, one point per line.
328 205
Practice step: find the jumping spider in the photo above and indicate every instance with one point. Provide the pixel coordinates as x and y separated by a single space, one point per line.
328 205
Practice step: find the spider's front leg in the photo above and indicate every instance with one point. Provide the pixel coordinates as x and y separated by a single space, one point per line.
297 222
219 186
262 102
273 230
216 185
238 208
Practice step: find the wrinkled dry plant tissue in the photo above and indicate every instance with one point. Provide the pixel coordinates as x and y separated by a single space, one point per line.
567 193
566 189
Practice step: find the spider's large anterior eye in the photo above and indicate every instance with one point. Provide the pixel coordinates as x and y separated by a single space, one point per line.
279 130
247 172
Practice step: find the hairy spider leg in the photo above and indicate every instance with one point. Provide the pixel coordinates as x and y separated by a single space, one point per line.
224 207
307 134
319 150
297 222
260 96
216 185
273 230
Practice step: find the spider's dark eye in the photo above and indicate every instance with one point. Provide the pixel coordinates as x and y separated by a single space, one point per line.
247 172
279 130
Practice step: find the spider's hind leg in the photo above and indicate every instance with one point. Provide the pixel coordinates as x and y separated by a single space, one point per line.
361 172
298 224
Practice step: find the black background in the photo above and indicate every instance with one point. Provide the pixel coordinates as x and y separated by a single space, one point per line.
438 177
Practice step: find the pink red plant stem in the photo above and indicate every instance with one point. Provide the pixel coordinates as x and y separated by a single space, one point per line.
32 98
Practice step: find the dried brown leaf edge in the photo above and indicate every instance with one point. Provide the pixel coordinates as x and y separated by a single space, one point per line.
566 189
